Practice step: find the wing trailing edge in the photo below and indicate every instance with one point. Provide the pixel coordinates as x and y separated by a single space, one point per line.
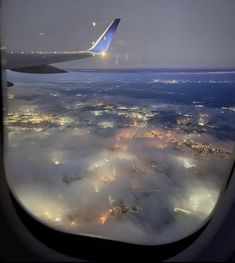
42 69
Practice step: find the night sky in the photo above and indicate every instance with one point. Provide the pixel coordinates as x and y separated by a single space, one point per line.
152 33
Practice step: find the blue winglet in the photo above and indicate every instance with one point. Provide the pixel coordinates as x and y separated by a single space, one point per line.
102 44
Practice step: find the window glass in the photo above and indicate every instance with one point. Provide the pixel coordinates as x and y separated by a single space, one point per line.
134 144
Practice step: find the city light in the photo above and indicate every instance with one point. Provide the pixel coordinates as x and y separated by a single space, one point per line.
95 161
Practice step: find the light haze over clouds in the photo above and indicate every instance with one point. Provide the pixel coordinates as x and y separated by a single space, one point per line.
152 33
136 157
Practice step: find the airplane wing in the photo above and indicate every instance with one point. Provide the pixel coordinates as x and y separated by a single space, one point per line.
37 62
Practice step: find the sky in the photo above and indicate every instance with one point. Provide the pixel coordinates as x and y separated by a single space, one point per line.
152 33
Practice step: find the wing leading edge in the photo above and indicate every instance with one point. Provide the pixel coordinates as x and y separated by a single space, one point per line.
37 62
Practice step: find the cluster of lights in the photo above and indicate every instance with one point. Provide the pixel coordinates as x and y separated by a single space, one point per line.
52 52
30 117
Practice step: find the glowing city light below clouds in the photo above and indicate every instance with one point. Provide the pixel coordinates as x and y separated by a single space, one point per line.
186 162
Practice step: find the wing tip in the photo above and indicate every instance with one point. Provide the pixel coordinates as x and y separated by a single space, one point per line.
104 41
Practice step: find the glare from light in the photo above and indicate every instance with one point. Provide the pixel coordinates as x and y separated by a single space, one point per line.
177 209
56 162
104 218
186 162
201 124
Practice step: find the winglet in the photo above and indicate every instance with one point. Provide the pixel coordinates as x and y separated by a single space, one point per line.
102 44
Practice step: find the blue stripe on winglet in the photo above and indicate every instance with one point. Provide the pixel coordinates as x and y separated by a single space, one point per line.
102 44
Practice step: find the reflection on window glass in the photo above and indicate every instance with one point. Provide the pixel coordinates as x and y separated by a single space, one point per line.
118 147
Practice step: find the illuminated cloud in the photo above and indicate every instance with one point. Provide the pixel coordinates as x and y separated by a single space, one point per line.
109 165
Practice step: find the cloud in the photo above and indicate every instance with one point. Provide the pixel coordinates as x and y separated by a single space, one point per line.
140 183
74 174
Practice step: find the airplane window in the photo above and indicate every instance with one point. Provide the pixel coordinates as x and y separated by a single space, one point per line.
134 141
